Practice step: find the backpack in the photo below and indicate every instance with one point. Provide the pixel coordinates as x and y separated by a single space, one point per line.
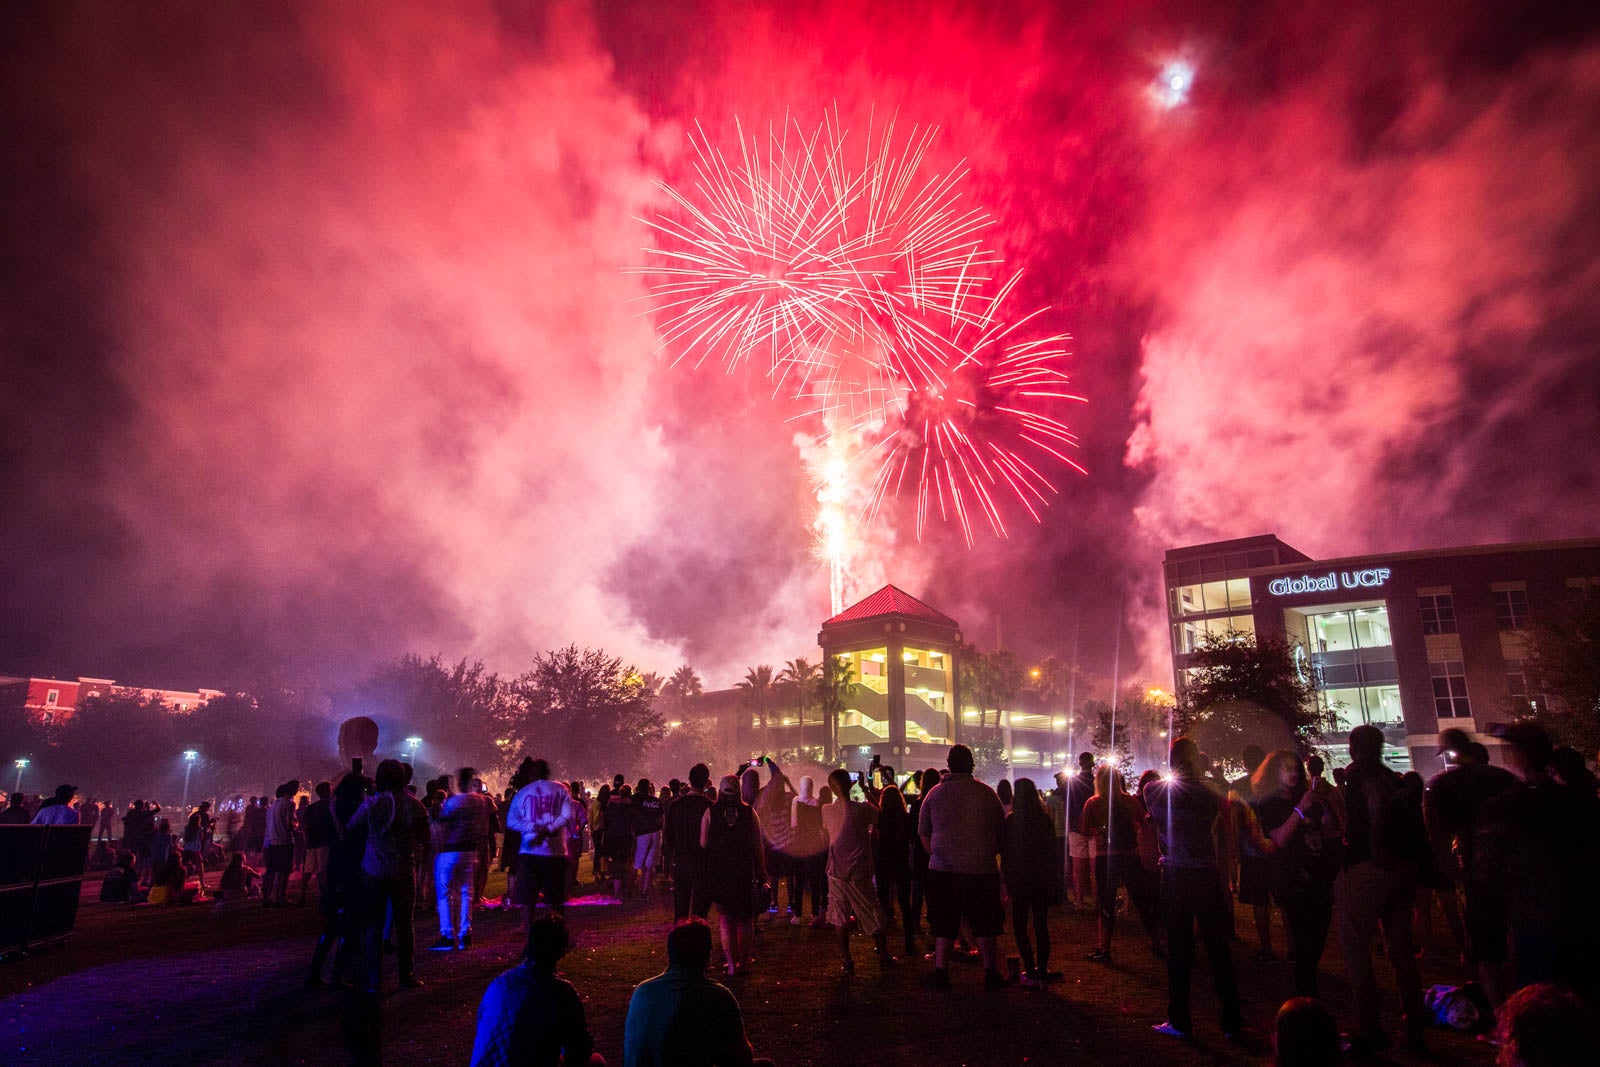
1398 833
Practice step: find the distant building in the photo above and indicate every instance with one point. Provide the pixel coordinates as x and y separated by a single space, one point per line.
1410 642
53 700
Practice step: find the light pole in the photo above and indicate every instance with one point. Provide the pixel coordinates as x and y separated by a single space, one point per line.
189 756
413 743
21 763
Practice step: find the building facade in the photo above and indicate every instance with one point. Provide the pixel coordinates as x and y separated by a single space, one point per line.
53 700
1410 642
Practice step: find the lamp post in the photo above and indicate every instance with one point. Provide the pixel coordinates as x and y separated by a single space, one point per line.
189 756
21 763
413 743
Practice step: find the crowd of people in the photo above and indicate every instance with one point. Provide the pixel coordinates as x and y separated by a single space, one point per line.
1504 854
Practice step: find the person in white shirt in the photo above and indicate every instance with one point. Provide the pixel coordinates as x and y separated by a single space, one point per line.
542 813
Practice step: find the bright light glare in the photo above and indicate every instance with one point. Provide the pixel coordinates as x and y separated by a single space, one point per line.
1173 84
414 742
190 754
21 763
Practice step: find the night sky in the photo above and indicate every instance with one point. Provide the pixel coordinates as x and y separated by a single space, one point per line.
321 341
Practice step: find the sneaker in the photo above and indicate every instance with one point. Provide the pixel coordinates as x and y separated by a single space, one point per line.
993 981
938 978
444 944
465 942
410 981
1171 1031
1098 955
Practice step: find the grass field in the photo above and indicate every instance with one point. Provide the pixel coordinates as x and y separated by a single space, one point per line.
199 985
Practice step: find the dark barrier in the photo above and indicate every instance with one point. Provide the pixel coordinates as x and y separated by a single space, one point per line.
41 876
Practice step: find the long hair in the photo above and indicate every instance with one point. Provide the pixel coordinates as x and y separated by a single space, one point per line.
1264 781
891 802
1108 781
1026 805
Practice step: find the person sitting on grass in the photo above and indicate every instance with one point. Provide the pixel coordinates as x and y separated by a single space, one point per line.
168 885
120 882
238 879
531 1017
682 1018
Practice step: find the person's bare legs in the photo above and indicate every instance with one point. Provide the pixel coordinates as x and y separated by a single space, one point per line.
941 951
730 943
988 952
1263 927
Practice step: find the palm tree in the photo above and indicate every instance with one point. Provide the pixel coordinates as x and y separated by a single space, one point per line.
802 678
682 687
652 682
757 686
833 689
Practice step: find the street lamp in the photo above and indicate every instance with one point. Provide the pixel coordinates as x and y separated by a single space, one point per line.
189 756
21 763
413 743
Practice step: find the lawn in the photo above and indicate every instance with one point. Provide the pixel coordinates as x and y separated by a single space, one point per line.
200 985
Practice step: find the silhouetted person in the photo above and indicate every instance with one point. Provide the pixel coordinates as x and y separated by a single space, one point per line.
16 813
529 1017
1384 842
681 1018
1305 1035
1187 811
1543 1026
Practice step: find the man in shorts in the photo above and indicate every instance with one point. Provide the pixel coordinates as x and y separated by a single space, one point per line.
1079 788
849 825
961 824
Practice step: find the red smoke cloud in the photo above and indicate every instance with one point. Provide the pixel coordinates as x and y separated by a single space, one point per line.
337 303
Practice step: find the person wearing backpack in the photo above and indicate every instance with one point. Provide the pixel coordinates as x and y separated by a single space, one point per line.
1384 842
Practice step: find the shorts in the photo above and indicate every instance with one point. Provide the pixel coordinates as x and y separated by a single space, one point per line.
316 860
1255 880
847 896
545 875
1078 845
280 859
646 850
953 897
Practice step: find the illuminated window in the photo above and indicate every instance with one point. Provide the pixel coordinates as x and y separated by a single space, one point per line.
1450 690
1511 608
52 698
1438 613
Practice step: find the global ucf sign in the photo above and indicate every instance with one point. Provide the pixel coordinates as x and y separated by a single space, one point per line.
1331 582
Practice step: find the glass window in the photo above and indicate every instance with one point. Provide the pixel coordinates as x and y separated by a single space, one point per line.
1210 597
1366 626
1188 634
53 697
1438 613
1358 705
1450 690
1511 608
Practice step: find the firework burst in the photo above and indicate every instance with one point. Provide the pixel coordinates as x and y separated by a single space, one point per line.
801 246
854 277
980 431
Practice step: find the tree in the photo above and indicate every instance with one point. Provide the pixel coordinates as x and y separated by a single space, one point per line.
988 757
21 734
1099 713
652 682
461 710
683 687
801 680
121 744
1562 661
1242 690
833 694
585 712
758 693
